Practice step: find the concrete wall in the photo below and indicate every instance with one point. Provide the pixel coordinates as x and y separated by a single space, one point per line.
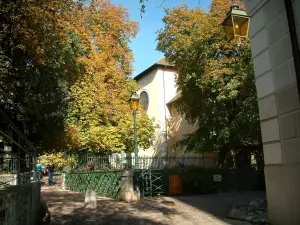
279 106
20 204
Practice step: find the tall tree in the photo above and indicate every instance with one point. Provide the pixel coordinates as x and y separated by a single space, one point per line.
99 116
64 71
216 79
37 57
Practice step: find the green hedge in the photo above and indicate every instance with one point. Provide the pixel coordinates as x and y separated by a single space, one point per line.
104 183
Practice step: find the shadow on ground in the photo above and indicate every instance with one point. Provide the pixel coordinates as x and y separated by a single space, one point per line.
67 208
219 204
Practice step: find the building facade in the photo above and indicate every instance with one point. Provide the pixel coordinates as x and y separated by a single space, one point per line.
274 33
158 93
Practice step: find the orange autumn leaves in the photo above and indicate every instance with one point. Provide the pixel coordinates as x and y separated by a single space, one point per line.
99 118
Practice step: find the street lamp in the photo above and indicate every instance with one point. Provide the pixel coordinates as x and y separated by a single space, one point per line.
236 24
134 102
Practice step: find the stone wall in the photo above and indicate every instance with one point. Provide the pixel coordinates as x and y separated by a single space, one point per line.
19 204
279 106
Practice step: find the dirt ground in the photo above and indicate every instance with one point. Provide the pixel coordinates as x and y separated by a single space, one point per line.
67 208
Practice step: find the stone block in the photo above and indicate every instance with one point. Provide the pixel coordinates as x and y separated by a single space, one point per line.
282 186
265 85
267 107
272 153
256 23
275 30
284 23
287 126
298 123
281 51
291 150
259 42
90 200
270 130
284 74
262 63
130 196
288 99
272 9
292 70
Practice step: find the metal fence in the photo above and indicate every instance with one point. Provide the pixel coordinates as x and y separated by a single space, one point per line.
17 154
120 162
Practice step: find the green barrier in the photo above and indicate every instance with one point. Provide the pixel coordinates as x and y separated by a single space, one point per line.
103 183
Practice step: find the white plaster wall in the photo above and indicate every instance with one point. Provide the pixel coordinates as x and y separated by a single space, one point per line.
149 83
165 78
161 88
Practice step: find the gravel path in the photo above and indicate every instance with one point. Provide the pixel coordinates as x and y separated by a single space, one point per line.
67 208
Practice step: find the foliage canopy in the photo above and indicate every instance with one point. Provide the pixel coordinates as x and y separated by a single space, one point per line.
215 77
65 69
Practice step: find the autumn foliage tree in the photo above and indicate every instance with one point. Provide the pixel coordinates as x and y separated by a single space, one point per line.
216 79
65 69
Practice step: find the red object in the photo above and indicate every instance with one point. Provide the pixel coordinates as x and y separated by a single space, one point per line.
175 185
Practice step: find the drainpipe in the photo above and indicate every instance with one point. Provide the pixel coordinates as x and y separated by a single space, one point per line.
294 40
165 109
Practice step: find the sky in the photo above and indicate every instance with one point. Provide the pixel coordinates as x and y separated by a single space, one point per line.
144 45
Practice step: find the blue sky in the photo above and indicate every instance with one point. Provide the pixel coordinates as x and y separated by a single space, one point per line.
144 45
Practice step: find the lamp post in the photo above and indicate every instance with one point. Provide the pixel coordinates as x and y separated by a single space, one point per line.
236 24
134 105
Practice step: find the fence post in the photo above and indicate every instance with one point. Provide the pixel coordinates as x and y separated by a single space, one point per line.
63 181
19 163
127 192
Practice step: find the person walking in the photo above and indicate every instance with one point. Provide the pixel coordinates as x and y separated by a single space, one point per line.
50 169
39 168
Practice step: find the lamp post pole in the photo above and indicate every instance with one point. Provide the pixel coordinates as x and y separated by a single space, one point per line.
136 156
134 105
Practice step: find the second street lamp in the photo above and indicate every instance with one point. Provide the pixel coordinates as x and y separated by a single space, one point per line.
134 105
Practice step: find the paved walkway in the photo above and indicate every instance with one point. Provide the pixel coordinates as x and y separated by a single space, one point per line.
67 208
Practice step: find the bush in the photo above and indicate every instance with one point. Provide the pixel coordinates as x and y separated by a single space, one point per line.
103 183
58 159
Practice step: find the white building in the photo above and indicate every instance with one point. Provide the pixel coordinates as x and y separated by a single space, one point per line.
158 92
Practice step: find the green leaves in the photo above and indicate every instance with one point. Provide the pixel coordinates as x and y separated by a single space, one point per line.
64 74
215 77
